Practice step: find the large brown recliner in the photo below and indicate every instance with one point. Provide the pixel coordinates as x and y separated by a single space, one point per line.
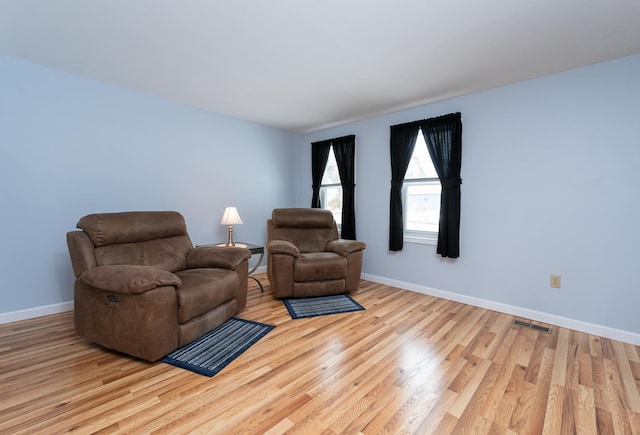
142 288
305 256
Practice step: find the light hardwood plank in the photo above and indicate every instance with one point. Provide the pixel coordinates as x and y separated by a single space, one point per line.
409 363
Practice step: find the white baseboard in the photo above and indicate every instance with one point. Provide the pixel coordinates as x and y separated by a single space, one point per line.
31 313
577 325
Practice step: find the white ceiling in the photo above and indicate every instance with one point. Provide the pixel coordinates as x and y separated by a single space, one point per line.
305 65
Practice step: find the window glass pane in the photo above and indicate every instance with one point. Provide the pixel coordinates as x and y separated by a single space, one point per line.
331 196
421 199
331 175
421 165
332 200
422 206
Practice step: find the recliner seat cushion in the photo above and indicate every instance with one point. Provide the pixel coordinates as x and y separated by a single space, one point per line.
203 290
319 266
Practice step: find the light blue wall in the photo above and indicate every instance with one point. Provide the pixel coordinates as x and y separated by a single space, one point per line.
72 146
550 169
551 180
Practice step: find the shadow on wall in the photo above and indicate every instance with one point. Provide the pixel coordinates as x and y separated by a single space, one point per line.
64 275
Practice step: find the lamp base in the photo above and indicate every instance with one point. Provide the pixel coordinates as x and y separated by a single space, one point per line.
230 241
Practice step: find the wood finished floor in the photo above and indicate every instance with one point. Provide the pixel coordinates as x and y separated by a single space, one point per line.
409 363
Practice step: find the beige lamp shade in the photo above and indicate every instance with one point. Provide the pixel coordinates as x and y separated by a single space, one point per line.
230 217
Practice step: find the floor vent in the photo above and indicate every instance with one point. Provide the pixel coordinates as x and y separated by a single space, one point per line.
532 326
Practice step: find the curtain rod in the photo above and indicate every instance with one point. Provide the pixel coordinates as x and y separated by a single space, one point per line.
422 121
335 138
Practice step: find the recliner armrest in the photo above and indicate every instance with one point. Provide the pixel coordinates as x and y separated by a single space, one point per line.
282 247
217 256
128 279
345 247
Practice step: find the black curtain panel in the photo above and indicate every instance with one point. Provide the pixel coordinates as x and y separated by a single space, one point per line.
443 136
344 149
319 158
402 142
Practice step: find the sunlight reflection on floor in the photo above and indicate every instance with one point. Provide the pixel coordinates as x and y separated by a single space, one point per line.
421 366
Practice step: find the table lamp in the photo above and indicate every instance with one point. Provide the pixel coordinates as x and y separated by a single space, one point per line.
230 217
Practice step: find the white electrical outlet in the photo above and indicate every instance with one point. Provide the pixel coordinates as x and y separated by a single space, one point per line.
555 281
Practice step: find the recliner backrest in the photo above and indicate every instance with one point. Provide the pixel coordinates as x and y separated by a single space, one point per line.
158 239
310 229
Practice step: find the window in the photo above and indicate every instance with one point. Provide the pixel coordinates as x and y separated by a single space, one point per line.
406 141
421 196
331 189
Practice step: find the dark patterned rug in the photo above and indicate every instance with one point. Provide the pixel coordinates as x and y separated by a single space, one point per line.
213 351
321 306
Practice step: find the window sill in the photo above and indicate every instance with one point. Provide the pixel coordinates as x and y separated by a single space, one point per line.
421 240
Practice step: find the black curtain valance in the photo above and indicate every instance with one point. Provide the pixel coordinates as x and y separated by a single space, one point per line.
328 142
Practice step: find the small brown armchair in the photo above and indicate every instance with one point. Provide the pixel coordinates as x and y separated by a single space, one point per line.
142 288
305 256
